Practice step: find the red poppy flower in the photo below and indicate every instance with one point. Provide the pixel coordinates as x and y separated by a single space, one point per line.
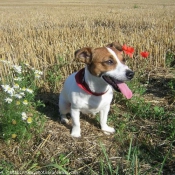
124 47
144 54
128 50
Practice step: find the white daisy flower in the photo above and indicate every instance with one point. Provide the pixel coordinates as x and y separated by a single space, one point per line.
17 79
17 69
38 72
25 102
37 76
5 61
5 87
27 64
8 100
16 86
22 94
8 89
24 116
23 89
29 120
29 90
18 96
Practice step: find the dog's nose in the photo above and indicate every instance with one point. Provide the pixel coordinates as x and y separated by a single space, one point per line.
129 74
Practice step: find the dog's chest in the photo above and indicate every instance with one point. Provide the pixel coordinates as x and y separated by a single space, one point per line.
92 104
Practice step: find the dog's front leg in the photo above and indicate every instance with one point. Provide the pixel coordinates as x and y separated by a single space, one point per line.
103 120
75 114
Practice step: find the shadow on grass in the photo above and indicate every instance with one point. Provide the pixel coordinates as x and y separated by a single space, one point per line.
51 109
50 100
158 156
161 87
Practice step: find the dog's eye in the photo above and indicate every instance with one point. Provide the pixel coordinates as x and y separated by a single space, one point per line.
110 62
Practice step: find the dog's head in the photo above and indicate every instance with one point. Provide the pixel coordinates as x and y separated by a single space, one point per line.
105 61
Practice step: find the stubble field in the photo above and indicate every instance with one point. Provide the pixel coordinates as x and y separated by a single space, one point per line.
45 35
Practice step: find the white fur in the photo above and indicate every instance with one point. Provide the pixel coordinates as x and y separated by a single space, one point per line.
119 72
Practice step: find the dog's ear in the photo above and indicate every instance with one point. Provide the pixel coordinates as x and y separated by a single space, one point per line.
115 45
84 55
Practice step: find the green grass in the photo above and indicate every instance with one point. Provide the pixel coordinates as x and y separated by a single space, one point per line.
5 167
135 6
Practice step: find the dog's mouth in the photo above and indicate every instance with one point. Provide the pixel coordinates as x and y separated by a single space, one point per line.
118 86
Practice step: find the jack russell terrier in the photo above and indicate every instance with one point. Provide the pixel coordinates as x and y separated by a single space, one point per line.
90 90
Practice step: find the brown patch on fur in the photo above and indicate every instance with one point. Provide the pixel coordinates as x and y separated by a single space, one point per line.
117 48
84 55
97 59
115 45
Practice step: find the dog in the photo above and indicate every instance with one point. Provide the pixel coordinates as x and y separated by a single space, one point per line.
90 90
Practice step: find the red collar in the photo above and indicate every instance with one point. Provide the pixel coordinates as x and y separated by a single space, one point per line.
79 77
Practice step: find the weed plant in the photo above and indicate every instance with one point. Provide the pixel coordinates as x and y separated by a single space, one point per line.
19 119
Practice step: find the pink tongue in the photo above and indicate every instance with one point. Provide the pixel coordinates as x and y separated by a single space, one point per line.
125 90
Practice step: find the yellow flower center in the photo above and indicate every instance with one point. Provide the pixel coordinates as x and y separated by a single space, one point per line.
14 122
29 120
18 103
14 136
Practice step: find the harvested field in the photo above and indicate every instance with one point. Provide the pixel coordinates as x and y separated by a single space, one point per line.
39 32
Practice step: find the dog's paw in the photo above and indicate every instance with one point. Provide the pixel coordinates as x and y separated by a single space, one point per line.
76 135
75 132
64 121
107 129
